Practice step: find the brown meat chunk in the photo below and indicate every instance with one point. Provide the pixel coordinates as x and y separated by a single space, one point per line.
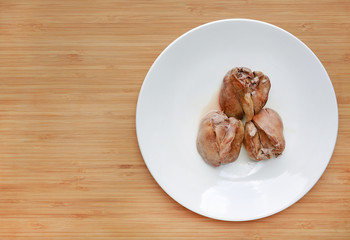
244 91
263 137
219 138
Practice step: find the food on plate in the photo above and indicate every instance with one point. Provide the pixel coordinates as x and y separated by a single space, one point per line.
219 138
244 91
263 136
221 133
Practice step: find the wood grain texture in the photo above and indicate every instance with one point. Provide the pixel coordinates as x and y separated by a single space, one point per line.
70 74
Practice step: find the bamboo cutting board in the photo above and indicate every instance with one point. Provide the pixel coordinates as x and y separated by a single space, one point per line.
70 74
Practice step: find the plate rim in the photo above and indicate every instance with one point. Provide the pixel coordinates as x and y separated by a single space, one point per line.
141 93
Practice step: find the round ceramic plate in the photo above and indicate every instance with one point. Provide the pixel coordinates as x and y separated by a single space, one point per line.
181 86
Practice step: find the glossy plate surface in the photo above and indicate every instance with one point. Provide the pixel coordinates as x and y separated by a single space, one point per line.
186 78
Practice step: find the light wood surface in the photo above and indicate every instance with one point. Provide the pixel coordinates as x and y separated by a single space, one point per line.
70 74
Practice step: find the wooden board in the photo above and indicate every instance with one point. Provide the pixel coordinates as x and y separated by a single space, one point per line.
70 74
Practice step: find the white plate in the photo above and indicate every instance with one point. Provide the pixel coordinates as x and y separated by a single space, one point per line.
183 81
